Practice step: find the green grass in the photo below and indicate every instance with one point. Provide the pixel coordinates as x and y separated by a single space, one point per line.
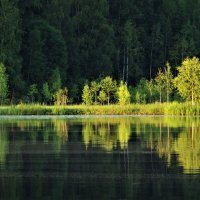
183 109
132 109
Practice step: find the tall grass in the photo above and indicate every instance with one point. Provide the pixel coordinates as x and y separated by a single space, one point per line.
183 109
132 109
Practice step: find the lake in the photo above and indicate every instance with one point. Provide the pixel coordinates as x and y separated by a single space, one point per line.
99 157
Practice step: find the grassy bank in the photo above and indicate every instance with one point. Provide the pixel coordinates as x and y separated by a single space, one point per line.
133 109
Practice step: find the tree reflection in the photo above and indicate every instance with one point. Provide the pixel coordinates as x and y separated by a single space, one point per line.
185 144
107 134
127 156
167 136
3 145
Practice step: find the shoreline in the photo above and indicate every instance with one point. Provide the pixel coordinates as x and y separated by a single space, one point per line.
156 109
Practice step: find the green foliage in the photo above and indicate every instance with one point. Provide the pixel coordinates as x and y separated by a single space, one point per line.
102 97
3 84
160 80
46 92
109 87
94 90
10 31
87 96
188 79
150 89
91 39
168 80
133 52
55 81
123 94
10 43
181 109
44 49
185 44
61 97
33 92
138 97
140 92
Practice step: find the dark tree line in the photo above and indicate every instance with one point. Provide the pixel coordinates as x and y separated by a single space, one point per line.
88 40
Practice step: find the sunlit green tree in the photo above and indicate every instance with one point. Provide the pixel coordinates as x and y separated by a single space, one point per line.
123 94
109 86
87 96
94 89
188 79
160 82
150 88
102 97
168 80
61 97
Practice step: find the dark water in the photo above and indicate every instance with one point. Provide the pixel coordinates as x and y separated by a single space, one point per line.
100 158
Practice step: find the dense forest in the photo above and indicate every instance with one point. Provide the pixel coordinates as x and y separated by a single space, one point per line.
47 44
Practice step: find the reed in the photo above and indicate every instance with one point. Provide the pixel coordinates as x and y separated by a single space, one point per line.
183 109
132 109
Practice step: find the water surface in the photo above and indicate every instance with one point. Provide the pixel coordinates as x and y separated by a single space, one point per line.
99 158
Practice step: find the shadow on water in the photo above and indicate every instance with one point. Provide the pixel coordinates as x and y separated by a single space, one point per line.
100 158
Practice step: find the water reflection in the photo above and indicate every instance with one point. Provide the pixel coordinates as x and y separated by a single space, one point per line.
180 137
84 158
167 136
106 133
3 145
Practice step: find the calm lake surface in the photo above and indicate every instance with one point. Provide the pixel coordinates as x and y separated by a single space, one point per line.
43 158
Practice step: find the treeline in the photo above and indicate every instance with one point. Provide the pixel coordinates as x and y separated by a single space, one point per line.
75 41
163 88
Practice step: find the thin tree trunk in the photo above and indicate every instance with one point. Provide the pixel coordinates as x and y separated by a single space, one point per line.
192 98
167 97
151 59
119 17
182 54
160 96
127 65
123 78
167 92
95 97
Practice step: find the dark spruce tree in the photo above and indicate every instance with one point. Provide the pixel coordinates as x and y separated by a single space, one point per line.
10 43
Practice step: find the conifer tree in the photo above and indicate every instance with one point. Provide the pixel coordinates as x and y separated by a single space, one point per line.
3 84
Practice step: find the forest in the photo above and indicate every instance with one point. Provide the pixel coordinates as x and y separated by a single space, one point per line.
52 47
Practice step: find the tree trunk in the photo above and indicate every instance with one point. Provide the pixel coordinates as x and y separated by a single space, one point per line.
192 98
95 97
151 59
160 96
108 99
127 67
167 96
124 65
